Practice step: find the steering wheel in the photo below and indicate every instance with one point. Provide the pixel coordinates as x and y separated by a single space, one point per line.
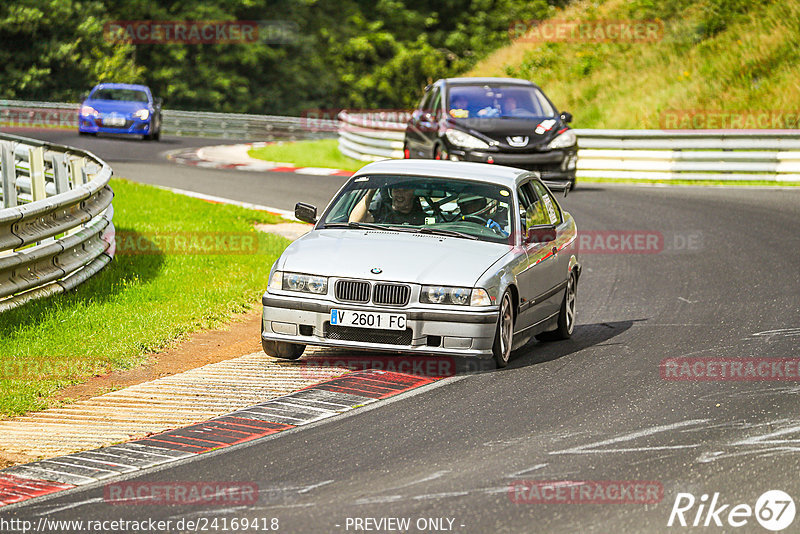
475 218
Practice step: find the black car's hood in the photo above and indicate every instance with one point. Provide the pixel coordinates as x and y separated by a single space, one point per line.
500 130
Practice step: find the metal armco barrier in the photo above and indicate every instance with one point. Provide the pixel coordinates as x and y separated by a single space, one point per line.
184 123
368 137
55 221
770 155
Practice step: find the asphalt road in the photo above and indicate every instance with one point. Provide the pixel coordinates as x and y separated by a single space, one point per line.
145 162
595 408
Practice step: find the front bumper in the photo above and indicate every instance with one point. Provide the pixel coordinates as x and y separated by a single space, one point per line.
132 126
557 167
436 332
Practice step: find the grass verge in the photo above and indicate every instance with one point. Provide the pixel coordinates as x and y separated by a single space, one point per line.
770 183
316 153
209 264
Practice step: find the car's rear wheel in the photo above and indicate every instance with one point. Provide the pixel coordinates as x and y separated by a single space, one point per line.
504 336
566 317
281 349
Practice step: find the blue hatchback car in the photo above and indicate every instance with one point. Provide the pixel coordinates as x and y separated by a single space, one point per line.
121 108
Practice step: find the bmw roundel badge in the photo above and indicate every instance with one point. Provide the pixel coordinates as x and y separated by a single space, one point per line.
376 270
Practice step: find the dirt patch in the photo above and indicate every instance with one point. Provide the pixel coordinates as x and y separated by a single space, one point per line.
288 230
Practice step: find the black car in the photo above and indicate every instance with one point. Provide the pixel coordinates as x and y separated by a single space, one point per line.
505 121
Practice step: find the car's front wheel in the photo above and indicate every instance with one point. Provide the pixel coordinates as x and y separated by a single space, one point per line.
281 349
566 317
504 336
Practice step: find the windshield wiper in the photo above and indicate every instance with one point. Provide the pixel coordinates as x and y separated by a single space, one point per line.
355 224
448 233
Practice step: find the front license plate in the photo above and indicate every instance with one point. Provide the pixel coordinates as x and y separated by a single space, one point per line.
114 121
361 319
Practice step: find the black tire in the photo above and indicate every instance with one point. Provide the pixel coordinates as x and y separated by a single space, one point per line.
566 316
280 349
504 335
157 135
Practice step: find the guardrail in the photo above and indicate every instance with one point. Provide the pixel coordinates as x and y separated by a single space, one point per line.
55 219
770 155
174 122
369 137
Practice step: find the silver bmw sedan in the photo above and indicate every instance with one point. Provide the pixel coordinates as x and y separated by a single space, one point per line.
427 257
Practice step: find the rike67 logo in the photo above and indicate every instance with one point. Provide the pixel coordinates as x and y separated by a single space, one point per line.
774 510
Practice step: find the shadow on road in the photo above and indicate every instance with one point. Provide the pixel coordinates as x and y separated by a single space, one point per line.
585 336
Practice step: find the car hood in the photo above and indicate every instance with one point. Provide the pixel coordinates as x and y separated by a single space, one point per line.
499 129
401 256
118 106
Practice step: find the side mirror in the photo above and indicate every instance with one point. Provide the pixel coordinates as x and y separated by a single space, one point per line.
566 116
543 233
306 212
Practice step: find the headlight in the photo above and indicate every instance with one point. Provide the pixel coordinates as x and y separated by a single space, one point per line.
464 140
461 296
143 114
305 283
564 140
89 111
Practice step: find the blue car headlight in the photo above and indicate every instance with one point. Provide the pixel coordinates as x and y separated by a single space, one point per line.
142 114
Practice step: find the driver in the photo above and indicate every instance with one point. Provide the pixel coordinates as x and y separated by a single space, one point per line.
405 208
510 105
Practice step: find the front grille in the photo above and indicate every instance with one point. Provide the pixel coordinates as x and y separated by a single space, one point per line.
128 124
352 291
367 335
391 294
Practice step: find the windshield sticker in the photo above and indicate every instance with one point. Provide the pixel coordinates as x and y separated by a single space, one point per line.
504 192
545 126
362 179
430 220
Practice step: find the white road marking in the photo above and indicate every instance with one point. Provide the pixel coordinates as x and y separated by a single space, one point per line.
582 449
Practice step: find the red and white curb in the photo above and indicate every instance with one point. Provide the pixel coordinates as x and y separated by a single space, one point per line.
321 401
235 157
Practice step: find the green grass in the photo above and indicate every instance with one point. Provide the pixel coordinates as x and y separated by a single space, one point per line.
715 55
139 304
318 153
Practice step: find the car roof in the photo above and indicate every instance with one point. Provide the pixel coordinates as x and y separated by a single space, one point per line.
486 80
479 172
121 86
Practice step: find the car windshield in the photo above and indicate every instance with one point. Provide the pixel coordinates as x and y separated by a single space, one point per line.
497 101
123 95
445 206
